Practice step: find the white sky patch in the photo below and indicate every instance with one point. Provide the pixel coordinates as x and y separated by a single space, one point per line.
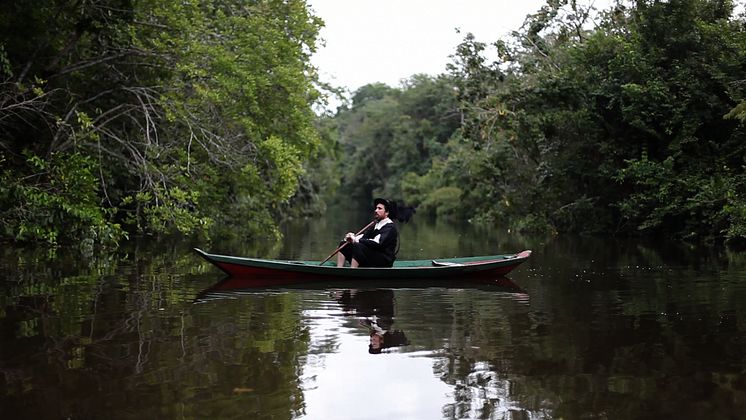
389 41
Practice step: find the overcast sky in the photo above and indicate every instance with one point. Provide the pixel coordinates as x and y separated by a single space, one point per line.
389 40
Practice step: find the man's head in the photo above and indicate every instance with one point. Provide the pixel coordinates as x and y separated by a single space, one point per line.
376 343
383 208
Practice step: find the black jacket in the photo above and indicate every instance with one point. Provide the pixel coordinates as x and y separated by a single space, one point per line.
386 243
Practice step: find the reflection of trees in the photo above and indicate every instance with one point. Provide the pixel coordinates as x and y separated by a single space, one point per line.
610 332
367 303
473 331
133 344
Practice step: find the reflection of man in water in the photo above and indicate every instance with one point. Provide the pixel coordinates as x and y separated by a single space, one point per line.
377 307
382 339
367 303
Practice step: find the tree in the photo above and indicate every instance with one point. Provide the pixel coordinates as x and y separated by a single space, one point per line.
194 115
391 132
613 128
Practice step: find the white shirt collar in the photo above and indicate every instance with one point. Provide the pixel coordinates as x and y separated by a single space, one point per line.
383 222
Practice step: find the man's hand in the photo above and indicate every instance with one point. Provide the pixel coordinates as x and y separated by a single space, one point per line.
350 237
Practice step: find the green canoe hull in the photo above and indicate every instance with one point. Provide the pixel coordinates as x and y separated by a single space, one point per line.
491 265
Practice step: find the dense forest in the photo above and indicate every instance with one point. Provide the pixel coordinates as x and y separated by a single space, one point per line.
129 117
152 117
625 121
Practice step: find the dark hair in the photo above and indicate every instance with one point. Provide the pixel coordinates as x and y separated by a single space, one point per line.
393 338
396 212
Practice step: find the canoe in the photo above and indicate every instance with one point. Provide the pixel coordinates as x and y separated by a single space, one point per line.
464 267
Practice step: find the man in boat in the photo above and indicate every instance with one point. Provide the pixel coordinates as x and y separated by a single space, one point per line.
375 247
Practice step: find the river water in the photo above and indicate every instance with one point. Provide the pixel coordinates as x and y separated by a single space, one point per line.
587 328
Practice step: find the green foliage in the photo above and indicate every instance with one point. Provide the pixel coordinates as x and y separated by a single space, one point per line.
320 177
711 206
173 210
733 212
446 201
286 167
388 133
57 203
626 121
197 118
5 70
199 114
617 128
739 112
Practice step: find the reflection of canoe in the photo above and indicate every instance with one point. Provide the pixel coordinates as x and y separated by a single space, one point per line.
235 287
493 266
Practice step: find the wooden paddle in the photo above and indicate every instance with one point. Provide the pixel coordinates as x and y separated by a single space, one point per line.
345 244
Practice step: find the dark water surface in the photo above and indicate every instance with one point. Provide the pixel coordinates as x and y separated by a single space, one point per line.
587 328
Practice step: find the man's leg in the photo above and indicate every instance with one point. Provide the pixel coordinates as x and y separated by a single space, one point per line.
367 257
360 255
344 254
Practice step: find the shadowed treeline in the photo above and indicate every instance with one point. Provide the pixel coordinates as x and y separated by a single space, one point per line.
626 121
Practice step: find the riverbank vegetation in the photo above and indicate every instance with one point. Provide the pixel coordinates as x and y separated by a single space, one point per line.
152 117
628 121
123 118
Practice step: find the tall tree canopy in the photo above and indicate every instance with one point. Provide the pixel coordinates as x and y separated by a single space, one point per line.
388 134
167 116
625 121
152 116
